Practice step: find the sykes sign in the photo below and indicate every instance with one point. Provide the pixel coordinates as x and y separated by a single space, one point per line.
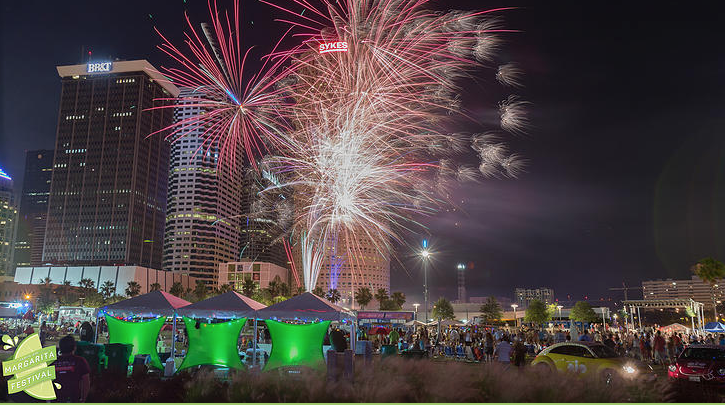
327 47
100 67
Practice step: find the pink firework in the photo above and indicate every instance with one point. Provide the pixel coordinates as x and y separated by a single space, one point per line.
238 109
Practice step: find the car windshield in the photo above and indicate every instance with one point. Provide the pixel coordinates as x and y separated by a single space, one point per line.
694 353
602 351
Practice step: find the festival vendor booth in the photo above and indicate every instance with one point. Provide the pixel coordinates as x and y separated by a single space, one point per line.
297 327
138 321
215 343
715 327
675 328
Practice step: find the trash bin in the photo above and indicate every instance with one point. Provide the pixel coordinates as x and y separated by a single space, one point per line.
94 355
118 355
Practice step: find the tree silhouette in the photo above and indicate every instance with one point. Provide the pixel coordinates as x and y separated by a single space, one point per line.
363 296
133 289
155 287
333 295
108 289
381 295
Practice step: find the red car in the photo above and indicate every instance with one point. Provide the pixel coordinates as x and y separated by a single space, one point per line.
700 364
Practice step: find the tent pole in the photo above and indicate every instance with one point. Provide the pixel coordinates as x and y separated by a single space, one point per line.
254 343
353 336
173 340
98 326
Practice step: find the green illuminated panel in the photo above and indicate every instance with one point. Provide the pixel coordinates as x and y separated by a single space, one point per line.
296 345
213 343
142 335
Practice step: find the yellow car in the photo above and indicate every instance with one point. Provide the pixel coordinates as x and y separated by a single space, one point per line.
590 358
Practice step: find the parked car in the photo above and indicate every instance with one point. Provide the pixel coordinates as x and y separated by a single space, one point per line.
700 364
590 358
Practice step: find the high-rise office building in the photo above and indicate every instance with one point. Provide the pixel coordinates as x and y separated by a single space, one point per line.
261 224
107 201
8 219
33 208
350 265
202 220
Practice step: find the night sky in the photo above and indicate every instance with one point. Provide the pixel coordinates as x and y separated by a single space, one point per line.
626 153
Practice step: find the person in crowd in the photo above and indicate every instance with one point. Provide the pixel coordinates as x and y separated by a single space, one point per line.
488 347
72 373
519 353
502 352
659 348
585 337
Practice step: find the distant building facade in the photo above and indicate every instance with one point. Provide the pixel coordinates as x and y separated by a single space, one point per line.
350 265
120 276
8 221
33 208
203 212
694 289
236 273
523 296
108 190
261 224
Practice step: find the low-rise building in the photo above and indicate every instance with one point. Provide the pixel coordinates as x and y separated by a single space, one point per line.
523 296
694 289
235 273
120 276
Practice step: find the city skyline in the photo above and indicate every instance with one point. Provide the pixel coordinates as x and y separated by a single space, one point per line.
600 204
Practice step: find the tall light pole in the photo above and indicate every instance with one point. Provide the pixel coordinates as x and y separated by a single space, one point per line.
425 254
516 319
559 307
416 310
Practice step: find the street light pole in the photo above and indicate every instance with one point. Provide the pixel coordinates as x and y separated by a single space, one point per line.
425 254
416 310
559 307
516 318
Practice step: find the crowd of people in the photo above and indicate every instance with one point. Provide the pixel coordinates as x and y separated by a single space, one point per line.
512 345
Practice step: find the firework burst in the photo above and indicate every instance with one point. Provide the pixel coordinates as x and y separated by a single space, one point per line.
354 116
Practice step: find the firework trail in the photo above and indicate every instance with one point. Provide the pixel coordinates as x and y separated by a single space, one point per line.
238 110
370 117
353 117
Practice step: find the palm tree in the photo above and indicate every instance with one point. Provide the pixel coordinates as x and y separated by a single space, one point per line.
133 289
381 295
177 289
363 296
249 287
398 299
333 295
199 290
108 288
710 271
318 291
155 287
225 288
87 284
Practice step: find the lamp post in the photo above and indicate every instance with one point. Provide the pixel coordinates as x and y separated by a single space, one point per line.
516 319
604 321
425 254
416 310
559 307
461 288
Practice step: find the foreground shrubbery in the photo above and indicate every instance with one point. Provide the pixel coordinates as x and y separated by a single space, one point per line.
390 380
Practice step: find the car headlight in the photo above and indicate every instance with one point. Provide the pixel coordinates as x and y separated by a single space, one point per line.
721 371
673 368
629 369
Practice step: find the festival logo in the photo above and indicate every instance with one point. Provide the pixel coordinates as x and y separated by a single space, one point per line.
29 365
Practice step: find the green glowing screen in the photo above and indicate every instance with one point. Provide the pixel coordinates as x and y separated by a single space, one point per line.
142 335
296 345
213 343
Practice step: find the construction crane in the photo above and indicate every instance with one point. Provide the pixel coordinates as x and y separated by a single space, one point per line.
625 289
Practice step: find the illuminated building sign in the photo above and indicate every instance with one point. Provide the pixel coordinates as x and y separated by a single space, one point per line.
327 47
100 67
